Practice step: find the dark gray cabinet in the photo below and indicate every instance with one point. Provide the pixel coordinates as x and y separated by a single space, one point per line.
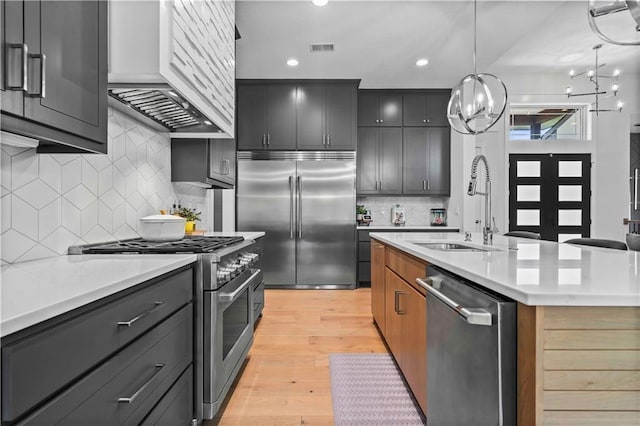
73 368
266 116
379 168
426 161
426 109
379 109
55 87
205 162
326 117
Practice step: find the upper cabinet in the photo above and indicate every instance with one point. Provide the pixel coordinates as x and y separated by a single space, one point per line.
304 115
379 163
426 108
426 164
379 109
54 73
188 45
267 117
326 117
209 163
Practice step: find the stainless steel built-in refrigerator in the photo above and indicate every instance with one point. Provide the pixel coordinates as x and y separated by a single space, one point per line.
305 202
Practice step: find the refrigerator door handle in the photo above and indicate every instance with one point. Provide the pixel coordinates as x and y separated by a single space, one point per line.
299 210
291 208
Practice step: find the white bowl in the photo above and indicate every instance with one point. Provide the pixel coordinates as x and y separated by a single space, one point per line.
633 241
162 227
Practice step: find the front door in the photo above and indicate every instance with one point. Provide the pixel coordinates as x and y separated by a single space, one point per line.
550 194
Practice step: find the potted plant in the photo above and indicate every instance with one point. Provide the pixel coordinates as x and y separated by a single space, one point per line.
360 211
191 216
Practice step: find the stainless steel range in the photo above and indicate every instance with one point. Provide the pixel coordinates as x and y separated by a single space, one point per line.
226 276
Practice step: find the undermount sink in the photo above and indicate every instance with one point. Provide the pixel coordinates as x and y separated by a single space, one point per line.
452 247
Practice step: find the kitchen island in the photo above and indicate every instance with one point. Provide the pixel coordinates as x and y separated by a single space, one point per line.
578 344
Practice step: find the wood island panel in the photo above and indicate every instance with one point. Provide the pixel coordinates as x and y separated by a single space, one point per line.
408 267
582 364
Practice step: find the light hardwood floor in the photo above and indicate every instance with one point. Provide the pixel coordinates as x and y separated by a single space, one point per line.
286 377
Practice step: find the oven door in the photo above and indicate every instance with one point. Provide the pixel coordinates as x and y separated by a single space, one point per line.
228 336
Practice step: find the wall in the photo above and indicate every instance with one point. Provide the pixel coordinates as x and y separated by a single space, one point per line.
50 202
417 209
608 144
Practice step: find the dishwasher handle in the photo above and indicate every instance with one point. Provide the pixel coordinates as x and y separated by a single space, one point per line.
476 316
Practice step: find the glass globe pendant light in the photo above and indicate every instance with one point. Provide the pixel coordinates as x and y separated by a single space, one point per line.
478 101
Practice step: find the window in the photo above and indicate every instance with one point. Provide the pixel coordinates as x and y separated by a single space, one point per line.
546 123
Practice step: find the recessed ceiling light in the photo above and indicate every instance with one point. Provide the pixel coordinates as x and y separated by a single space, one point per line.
207 122
320 2
422 62
292 62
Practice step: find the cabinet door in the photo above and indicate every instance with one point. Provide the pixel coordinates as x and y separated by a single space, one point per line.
390 160
367 163
252 117
368 109
413 361
12 70
311 117
414 160
68 66
377 285
394 286
340 118
414 110
437 103
390 110
281 117
439 152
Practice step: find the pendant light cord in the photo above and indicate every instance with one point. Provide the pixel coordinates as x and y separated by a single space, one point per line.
475 30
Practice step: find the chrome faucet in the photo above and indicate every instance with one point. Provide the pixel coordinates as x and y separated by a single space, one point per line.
487 230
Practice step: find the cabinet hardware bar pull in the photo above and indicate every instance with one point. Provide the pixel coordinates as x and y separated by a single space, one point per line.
329 139
396 301
142 315
291 207
428 186
635 190
43 79
424 186
22 82
268 139
264 138
475 316
323 139
129 400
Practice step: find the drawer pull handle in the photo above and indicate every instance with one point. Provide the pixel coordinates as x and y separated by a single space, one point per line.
142 315
130 399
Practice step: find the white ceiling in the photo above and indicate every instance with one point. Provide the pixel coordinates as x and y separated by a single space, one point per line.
380 41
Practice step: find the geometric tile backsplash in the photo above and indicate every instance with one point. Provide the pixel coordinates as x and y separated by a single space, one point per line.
52 201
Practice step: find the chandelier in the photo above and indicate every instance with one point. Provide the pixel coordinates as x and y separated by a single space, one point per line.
633 6
472 108
594 76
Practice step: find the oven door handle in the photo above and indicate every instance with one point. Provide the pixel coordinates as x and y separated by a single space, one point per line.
231 297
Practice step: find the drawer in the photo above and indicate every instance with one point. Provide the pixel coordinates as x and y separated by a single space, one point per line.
142 372
364 271
176 406
36 366
364 236
407 267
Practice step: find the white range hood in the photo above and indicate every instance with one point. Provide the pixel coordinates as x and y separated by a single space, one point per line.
174 62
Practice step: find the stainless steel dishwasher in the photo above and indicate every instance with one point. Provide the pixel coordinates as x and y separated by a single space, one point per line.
471 353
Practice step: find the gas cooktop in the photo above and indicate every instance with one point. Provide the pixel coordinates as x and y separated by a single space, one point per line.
195 244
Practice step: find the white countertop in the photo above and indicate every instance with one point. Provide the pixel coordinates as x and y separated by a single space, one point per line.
428 228
246 235
38 290
536 272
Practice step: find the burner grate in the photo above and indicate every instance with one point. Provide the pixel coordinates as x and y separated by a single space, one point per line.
196 244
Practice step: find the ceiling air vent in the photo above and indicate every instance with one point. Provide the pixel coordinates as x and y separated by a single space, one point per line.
321 47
